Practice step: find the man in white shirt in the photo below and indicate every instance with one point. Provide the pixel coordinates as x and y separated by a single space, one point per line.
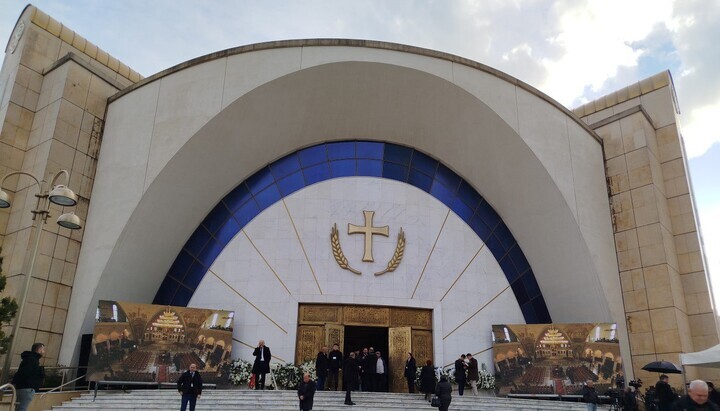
380 373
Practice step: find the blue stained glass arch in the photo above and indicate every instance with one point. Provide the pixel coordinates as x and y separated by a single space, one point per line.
341 159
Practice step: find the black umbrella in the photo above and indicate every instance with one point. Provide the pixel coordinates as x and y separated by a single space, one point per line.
665 367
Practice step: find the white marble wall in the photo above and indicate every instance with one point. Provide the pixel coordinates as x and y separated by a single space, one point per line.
263 273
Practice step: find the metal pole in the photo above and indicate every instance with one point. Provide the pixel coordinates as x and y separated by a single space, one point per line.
40 214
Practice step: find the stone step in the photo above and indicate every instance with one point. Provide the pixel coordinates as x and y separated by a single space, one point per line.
287 400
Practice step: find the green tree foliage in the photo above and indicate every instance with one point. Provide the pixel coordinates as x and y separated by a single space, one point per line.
8 308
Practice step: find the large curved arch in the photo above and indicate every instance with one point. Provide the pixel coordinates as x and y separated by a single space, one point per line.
326 161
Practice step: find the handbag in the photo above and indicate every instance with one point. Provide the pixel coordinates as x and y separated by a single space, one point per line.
435 401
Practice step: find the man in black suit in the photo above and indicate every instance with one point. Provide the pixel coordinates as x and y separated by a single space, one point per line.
261 366
364 361
335 364
460 378
350 377
190 386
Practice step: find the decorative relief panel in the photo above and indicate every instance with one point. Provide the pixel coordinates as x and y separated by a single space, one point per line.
364 315
334 334
320 314
408 317
422 346
310 338
400 343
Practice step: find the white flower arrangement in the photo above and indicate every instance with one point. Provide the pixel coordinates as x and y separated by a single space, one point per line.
287 376
240 372
309 367
487 380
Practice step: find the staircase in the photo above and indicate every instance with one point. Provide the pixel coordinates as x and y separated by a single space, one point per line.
287 400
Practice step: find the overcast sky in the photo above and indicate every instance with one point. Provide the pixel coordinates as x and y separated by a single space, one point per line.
573 50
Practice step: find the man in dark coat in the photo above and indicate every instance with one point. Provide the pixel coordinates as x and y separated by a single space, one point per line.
590 396
261 366
321 368
335 363
460 379
306 392
380 373
664 394
350 377
410 372
364 361
29 376
696 399
190 386
443 389
473 373
713 394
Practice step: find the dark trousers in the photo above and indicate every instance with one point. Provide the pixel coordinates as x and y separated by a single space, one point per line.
444 407
348 398
366 382
321 382
260 381
188 398
461 387
380 382
411 385
332 380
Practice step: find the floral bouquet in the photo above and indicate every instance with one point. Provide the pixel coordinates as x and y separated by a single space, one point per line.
240 372
287 376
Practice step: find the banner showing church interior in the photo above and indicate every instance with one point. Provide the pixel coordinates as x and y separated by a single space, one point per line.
556 358
156 343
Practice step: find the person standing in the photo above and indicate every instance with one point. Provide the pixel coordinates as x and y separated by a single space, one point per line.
664 394
350 377
321 368
713 394
364 370
410 372
696 399
306 392
261 366
190 386
381 370
460 378
590 396
427 380
29 376
335 363
443 390
473 373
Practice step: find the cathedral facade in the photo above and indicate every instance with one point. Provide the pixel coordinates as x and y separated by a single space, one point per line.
351 192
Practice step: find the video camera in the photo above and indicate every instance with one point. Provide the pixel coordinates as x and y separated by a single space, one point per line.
636 383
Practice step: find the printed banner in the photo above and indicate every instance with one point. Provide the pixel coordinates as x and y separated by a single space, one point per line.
156 343
556 358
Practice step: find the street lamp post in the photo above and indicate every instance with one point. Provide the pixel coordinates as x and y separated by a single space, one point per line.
60 195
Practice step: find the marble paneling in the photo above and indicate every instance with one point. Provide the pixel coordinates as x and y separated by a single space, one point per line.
269 246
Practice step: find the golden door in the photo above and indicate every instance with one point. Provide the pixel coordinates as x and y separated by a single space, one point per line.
400 344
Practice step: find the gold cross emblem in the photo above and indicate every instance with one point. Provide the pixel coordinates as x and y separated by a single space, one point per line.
369 231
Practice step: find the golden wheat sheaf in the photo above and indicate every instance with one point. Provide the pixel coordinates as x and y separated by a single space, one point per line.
338 252
397 255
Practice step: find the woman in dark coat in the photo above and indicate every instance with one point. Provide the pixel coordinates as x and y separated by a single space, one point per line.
427 380
444 393
351 372
410 372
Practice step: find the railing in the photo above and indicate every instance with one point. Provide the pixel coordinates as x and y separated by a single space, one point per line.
59 387
4 387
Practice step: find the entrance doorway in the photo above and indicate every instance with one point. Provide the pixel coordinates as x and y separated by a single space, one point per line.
357 338
394 331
